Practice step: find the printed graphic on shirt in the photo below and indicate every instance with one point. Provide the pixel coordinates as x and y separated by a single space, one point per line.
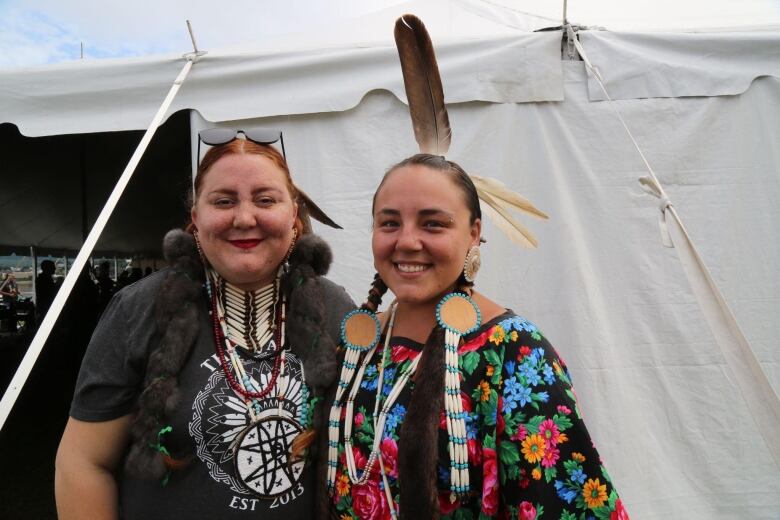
250 458
262 456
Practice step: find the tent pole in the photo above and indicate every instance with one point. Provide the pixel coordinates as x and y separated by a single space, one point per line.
83 171
34 350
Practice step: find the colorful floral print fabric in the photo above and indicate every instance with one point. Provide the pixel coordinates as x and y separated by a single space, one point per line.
530 456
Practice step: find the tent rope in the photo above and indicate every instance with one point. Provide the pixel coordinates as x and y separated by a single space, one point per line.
761 400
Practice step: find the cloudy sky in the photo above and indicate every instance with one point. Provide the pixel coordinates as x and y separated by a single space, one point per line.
38 32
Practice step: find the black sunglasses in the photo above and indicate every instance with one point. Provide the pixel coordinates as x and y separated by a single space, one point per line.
217 136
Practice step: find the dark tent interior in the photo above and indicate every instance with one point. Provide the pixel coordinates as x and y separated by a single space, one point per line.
52 189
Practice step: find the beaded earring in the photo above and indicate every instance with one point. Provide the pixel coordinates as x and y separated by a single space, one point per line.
472 264
286 260
458 315
197 245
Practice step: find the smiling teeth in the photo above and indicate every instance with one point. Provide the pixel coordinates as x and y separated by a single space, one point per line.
408 268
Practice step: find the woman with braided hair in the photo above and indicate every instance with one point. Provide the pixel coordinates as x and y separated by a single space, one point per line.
202 386
449 405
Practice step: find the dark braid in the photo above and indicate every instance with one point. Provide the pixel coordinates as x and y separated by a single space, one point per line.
374 299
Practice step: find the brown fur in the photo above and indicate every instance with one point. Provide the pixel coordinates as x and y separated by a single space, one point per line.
176 318
419 438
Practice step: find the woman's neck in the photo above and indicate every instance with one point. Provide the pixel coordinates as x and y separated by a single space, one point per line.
416 321
245 287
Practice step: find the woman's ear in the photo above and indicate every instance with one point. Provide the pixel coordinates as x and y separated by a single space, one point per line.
194 217
476 232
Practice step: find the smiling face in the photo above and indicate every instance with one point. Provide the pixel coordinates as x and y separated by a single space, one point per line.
245 214
421 233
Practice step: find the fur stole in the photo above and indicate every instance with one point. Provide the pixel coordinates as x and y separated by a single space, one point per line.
177 321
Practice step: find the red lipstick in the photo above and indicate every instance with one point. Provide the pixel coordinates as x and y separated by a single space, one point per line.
245 244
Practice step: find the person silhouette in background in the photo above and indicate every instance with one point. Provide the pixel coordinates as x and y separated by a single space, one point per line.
45 288
8 295
106 286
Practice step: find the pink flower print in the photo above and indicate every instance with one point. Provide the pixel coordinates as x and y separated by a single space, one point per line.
527 511
549 432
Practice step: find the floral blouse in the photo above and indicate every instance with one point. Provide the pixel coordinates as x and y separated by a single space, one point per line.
530 455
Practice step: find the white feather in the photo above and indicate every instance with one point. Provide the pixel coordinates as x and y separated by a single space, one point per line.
508 225
501 193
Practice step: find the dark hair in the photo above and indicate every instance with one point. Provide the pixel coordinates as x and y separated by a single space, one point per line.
439 163
461 180
244 146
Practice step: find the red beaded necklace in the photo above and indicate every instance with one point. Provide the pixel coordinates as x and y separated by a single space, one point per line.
219 340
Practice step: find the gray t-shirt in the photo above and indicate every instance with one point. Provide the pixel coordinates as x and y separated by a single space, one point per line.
207 423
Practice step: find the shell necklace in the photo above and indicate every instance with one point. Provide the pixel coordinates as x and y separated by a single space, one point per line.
248 321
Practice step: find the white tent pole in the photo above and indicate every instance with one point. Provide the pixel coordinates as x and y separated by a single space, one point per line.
34 350
761 400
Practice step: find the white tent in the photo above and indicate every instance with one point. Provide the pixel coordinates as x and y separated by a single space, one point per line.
663 405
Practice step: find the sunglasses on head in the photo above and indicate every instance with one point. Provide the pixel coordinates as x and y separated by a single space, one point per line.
217 136
267 136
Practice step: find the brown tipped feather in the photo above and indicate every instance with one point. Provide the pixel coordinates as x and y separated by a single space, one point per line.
314 211
423 86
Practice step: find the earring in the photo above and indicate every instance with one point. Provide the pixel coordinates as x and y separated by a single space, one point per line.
472 264
292 246
197 245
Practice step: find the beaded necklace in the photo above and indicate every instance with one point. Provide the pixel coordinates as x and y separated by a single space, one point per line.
458 315
245 322
225 338
379 416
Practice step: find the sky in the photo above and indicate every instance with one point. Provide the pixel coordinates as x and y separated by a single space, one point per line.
40 32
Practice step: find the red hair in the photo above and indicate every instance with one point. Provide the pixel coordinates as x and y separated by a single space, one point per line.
240 146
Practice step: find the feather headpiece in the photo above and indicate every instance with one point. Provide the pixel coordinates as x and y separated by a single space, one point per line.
432 131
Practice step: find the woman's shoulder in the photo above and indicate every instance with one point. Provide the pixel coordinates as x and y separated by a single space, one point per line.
337 303
332 289
335 297
143 290
516 327
138 299
507 328
507 340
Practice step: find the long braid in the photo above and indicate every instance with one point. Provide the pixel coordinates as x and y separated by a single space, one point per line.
375 294
176 310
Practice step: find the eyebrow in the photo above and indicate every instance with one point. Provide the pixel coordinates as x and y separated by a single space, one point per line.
425 212
229 191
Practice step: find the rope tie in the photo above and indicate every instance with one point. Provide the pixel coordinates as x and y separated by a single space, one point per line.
650 183
651 186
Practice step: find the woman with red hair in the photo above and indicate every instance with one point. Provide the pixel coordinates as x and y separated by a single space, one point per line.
202 385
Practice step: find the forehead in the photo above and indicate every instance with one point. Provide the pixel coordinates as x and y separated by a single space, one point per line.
244 169
417 187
